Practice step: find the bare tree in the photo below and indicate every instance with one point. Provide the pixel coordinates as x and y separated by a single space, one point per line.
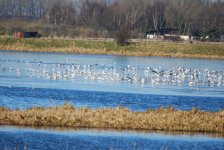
188 16
158 13
92 13
60 12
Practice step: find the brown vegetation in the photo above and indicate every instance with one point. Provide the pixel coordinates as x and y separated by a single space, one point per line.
109 47
117 118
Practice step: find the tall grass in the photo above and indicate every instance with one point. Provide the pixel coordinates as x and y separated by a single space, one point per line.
164 49
117 118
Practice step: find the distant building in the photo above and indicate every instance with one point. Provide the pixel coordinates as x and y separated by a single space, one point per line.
18 35
159 33
150 36
167 34
175 37
26 35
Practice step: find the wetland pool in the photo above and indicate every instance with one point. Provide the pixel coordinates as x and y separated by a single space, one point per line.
99 81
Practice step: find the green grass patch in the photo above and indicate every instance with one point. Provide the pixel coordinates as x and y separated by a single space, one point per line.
199 50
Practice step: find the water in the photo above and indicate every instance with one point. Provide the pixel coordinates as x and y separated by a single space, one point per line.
20 97
45 139
24 82
99 81
112 74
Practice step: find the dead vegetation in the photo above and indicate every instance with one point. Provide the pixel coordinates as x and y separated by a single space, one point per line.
118 118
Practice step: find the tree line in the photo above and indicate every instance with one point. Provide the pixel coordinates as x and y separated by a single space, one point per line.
189 17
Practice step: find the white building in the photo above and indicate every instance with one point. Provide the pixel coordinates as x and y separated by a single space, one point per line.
181 37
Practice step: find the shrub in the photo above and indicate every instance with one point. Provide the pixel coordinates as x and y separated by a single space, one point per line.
105 34
83 32
2 32
122 35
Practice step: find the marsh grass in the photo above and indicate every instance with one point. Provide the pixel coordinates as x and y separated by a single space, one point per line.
118 118
85 46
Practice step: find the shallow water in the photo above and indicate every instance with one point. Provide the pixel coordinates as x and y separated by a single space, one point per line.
18 97
23 87
13 137
27 70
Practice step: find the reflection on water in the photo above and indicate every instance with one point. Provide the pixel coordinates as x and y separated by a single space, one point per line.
12 137
67 130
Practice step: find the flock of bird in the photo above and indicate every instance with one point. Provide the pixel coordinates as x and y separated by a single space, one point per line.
112 73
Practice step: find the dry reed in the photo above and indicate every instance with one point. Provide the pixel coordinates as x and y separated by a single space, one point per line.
118 118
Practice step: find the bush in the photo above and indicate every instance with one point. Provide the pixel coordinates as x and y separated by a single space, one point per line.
82 32
105 34
3 32
122 35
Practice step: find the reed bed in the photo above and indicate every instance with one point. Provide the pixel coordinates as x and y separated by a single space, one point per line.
117 118
85 46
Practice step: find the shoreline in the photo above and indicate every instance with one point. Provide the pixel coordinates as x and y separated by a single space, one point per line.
163 119
101 47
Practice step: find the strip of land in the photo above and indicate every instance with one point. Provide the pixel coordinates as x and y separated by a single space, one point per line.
118 118
109 47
